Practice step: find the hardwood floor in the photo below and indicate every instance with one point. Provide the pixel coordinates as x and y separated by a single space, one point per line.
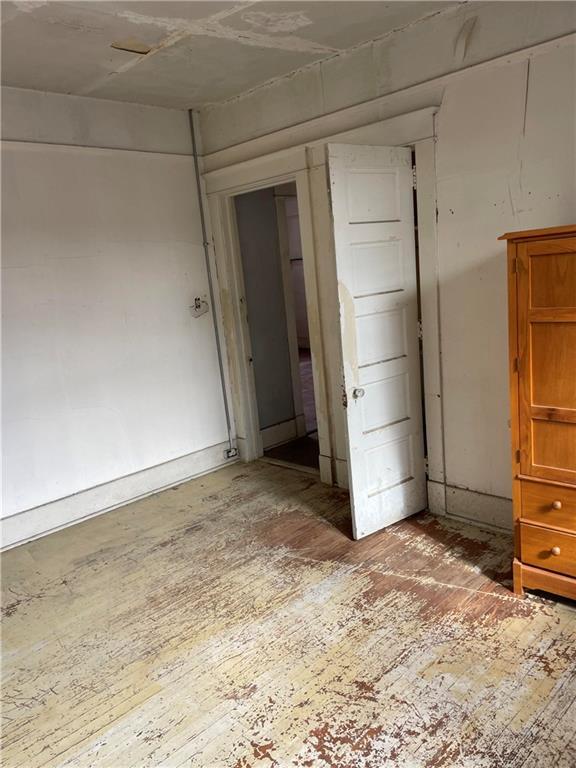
231 622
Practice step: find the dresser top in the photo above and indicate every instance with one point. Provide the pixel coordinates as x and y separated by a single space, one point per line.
569 229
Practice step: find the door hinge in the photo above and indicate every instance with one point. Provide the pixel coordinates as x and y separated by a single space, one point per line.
413 177
515 366
426 464
420 330
514 265
518 456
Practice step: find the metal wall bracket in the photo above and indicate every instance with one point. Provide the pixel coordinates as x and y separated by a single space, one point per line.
199 308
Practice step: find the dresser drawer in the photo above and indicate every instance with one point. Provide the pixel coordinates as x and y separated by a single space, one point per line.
548 549
549 504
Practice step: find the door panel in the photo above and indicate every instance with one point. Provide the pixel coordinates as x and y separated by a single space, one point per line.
553 351
372 195
372 207
380 336
376 267
385 402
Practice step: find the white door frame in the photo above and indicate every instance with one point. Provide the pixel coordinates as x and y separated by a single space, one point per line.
415 129
284 244
229 265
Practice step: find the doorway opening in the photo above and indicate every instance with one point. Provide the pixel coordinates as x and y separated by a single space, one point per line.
275 309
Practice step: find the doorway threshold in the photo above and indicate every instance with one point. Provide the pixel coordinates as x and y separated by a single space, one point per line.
291 465
302 452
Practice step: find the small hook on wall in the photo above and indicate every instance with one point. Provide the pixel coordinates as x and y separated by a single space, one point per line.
199 308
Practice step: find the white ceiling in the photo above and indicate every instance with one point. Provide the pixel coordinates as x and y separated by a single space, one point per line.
201 52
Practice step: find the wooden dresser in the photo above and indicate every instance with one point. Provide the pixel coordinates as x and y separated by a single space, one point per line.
542 331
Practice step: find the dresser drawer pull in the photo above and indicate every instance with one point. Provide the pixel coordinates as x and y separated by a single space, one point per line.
555 550
556 504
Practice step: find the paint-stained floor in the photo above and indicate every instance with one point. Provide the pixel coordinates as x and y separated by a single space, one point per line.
231 622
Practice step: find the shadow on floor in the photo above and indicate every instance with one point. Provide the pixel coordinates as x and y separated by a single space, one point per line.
303 452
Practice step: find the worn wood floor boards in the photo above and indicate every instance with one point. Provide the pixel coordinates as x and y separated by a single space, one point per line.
231 622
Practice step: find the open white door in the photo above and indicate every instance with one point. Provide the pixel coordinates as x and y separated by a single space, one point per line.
373 216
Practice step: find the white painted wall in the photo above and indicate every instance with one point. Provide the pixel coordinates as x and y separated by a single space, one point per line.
106 373
505 160
265 306
55 118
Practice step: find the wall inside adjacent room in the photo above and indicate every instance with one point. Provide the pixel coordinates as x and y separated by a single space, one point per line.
265 306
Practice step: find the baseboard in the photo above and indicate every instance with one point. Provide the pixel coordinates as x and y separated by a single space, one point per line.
290 465
481 509
39 521
341 472
325 465
301 425
436 497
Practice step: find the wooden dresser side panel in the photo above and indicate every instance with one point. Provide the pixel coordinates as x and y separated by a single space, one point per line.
514 383
549 490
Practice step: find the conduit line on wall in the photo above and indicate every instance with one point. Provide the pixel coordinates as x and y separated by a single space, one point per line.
232 450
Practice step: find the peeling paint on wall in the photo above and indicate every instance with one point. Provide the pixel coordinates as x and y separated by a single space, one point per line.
212 27
277 22
26 6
